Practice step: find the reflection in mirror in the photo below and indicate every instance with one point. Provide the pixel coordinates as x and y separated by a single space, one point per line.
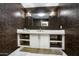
44 23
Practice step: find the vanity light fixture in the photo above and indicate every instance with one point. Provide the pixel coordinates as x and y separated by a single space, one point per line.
41 14
18 14
66 13
52 13
28 14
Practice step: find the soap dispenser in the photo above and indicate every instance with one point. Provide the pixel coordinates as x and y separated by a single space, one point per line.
60 26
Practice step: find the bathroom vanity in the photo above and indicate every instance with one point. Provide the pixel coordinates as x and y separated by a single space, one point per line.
48 39
40 43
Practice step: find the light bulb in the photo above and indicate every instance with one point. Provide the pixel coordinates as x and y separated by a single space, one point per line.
66 12
52 13
28 14
18 14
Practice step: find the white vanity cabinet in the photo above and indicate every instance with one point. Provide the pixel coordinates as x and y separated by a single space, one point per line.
49 39
34 41
44 41
39 41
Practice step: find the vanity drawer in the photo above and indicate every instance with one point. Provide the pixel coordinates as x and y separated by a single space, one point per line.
27 43
56 37
24 36
55 44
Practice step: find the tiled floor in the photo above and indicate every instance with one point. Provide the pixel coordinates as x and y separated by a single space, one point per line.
42 51
36 52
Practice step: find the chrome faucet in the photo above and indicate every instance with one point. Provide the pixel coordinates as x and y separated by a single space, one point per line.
40 29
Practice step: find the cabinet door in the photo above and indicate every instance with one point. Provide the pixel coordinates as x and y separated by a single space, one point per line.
44 41
34 41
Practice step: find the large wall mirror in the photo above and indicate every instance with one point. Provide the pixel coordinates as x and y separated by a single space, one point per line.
39 17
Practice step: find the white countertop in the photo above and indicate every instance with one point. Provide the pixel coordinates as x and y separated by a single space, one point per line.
30 31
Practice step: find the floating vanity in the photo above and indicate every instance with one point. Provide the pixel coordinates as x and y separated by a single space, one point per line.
48 39
40 43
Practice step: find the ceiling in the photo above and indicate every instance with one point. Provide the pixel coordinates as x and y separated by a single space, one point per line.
32 5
